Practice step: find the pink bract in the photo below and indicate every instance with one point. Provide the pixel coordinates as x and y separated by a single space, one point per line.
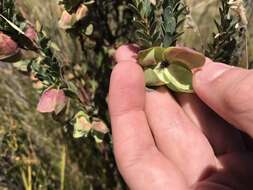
7 46
31 33
50 100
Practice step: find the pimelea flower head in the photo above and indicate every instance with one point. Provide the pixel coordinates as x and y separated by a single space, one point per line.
82 125
99 126
8 47
31 33
67 20
81 12
52 100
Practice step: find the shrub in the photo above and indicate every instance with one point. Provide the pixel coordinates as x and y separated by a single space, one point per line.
67 51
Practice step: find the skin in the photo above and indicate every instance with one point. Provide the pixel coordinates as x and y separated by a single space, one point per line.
175 141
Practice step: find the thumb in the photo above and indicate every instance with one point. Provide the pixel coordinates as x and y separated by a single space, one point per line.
228 91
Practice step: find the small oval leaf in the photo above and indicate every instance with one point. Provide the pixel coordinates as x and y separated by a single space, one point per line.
185 56
82 125
151 56
180 78
52 100
99 126
155 77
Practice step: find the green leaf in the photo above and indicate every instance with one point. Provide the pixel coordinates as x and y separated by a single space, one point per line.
82 125
151 56
22 65
180 78
54 46
12 25
155 77
142 35
170 24
176 73
99 126
139 25
89 30
134 10
184 56
69 93
20 36
98 137
168 40
175 77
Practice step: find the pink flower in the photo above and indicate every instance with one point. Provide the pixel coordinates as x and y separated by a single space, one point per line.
52 100
67 20
31 33
81 12
100 126
7 46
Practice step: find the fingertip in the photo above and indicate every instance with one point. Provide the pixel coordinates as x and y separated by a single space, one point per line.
209 72
127 88
127 53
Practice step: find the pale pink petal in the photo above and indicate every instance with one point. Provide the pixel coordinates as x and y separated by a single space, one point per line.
50 100
31 33
81 12
7 45
100 126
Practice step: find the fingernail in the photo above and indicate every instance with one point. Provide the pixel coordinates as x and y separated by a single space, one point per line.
210 71
149 89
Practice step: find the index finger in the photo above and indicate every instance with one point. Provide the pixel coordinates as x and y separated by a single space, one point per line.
138 159
131 133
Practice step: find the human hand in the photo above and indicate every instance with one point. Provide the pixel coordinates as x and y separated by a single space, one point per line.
176 142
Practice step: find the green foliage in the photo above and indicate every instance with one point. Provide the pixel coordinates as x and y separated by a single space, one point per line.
79 61
225 45
7 9
157 25
224 42
170 66
46 67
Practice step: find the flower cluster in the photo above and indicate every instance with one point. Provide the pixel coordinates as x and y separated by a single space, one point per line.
31 50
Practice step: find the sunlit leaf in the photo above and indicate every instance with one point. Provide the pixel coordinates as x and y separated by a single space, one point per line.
180 78
185 56
8 47
82 125
12 25
89 30
99 126
151 56
175 77
20 37
22 65
155 77
52 100
81 12
67 20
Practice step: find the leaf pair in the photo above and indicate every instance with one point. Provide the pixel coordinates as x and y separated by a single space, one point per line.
8 47
83 126
19 36
68 20
170 66
52 100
